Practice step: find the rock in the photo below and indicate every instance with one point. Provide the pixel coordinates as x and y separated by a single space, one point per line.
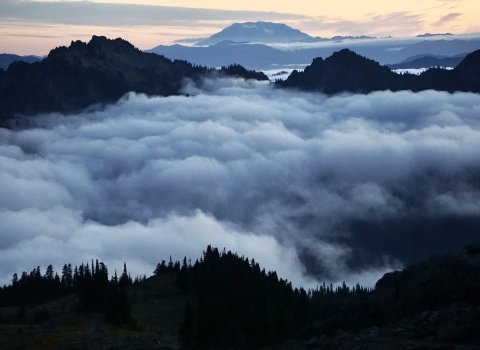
314 342
426 315
388 329
370 334
49 326
341 334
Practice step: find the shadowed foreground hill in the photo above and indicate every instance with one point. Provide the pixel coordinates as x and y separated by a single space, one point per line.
345 71
102 71
229 302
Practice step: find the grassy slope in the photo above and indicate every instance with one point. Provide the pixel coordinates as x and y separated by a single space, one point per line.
156 305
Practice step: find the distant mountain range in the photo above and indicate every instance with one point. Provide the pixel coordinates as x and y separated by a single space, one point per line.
273 46
99 72
427 61
266 33
346 71
254 56
102 71
264 57
7 59
428 35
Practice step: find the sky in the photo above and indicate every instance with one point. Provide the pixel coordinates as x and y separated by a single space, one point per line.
35 27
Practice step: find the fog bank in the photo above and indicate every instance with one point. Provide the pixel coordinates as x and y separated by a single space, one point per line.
318 188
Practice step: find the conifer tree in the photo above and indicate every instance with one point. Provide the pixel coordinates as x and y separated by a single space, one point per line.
183 280
186 333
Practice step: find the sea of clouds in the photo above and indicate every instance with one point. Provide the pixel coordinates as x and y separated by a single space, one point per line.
317 188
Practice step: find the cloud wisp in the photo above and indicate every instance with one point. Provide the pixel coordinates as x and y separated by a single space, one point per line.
397 23
123 15
315 187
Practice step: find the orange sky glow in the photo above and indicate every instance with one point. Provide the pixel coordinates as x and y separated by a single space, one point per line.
35 27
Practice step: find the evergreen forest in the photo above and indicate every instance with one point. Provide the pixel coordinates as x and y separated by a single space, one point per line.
231 302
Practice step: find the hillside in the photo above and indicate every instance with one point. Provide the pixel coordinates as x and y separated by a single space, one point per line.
226 301
346 71
98 72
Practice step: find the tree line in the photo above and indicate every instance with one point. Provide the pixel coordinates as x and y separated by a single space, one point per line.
232 301
95 291
239 305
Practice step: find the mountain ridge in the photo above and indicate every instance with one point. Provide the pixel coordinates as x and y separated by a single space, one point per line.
7 59
346 71
101 71
428 61
267 57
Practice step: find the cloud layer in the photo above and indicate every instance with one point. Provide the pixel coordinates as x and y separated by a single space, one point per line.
317 188
121 15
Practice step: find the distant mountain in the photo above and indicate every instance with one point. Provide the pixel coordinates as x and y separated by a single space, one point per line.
428 61
428 35
99 72
253 56
257 32
346 71
265 33
348 37
264 57
411 58
6 59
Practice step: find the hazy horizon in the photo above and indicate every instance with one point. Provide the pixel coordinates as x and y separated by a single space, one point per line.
36 27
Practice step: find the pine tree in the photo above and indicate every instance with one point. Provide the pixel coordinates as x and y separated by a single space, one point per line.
183 282
186 333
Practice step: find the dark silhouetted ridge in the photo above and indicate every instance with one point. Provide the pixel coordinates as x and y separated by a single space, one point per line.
236 70
7 59
346 71
99 72
343 71
427 62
